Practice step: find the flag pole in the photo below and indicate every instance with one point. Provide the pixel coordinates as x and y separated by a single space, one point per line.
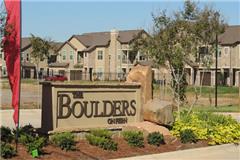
17 127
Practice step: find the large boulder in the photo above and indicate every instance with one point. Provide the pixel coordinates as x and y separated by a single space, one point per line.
157 111
143 75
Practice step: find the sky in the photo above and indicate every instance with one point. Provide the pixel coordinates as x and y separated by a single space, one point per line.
59 19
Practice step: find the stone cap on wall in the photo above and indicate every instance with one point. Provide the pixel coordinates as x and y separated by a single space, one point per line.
77 85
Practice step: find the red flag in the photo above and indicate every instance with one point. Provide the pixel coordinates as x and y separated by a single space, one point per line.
11 47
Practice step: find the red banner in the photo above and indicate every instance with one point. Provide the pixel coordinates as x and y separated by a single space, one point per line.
11 47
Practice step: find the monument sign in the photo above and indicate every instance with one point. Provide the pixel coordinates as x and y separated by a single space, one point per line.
66 106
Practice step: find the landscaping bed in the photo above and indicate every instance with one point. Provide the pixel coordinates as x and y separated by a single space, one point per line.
85 151
193 130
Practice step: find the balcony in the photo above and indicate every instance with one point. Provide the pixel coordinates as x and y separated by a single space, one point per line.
78 65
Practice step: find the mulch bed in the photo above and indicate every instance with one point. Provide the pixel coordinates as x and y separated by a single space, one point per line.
85 151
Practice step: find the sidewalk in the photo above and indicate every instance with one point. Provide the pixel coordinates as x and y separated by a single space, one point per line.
221 152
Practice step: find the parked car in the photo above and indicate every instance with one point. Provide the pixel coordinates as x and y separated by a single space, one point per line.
56 78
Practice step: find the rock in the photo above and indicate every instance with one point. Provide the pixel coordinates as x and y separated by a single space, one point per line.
160 112
135 127
143 75
147 127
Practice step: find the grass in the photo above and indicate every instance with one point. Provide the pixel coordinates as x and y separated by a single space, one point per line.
230 108
5 83
205 89
220 90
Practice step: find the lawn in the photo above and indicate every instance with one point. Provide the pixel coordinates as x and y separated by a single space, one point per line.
5 83
207 91
224 108
211 89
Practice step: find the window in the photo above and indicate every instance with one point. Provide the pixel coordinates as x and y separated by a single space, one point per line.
124 57
0 55
85 54
4 71
142 58
99 73
100 55
226 50
64 55
119 56
219 53
119 73
79 56
203 50
71 55
27 58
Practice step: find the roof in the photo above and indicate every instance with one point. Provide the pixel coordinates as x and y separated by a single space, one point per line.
58 64
231 35
26 42
128 36
191 63
27 64
97 39
67 42
150 63
56 45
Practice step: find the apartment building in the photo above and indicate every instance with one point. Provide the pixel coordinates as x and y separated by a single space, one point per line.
3 69
98 55
28 64
228 62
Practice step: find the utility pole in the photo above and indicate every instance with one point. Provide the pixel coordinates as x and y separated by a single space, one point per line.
216 68
216 75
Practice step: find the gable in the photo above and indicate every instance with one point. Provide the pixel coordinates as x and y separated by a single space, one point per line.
76 43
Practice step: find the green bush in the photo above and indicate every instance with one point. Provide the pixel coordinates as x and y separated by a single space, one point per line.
102 142
27 129
188 135
38 143
64 140
32 142
6 134
101 133
25 139
7 151
155 138
218 129
134 138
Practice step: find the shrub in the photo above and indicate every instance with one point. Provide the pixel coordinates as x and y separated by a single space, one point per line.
102 142
101 133
7 151
188 135
32 142
64 140
109 145
37 144
6 134
218 129
27 129
155 138
134 138
25 139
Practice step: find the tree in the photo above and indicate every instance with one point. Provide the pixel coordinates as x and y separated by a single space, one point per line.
40 50
176 39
